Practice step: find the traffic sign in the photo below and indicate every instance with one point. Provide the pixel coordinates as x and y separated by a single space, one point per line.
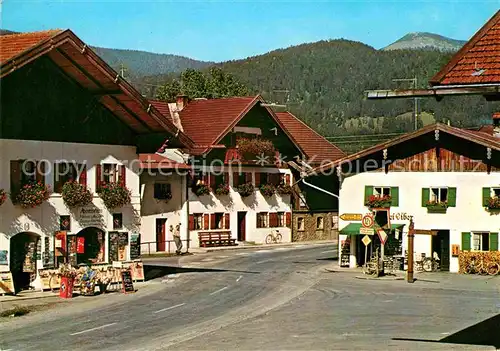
366 240
366 231
367 221
382 235
351 216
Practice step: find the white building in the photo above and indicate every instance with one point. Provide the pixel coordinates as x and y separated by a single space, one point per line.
67 116
437 164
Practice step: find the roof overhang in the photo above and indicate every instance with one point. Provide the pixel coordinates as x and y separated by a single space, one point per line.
77 61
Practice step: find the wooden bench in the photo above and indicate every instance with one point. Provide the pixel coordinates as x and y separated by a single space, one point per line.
209 239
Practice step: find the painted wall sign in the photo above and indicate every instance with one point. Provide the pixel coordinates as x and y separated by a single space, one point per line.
401 216
351 216
91 216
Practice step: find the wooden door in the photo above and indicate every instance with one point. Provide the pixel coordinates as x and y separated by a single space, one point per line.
441 245
161 235
242 226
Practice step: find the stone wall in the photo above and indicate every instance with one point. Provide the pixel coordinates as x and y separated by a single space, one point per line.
310 230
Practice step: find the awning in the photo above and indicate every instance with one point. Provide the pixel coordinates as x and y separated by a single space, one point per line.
353 228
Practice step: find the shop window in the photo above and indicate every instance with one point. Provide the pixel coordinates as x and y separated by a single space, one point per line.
300 223
262 220
382 191
281 219
198 221
439 195
117 221
65 223
219 221
481 241
319 223
162 191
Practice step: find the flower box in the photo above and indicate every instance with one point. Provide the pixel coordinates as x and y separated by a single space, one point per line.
493 204
436 207
222 190
75 194
284 189
376 201
246 189
267 190
3 196
201 189
251 149
114 195
31 195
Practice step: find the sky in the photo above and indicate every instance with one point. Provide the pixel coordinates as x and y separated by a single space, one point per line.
227 30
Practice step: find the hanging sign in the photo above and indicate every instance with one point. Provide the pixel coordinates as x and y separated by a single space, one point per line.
80 245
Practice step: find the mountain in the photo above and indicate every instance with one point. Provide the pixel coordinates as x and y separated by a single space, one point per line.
7 32
424 40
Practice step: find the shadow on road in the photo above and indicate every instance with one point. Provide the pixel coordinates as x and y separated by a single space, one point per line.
328 259
156 271
483 333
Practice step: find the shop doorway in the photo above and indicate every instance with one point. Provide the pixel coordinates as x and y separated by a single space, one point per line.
23 257
242 226
441 245
90 246
161 234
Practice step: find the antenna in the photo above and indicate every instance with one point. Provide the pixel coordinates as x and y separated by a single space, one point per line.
123 69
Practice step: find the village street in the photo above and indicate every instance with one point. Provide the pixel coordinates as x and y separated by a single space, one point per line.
282 298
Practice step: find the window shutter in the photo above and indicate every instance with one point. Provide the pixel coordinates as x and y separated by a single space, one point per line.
212 221
98 174
395 196
211 181
288 219
227 224
226 178
493 241
465 241
452 197
486 196
205 221
40 171
15 176
83 176
257 179
236 177
191 222
58 182
248 177
122 175
368 192
426 192
257 217
288 179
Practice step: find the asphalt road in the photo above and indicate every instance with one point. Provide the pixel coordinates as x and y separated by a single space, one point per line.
282 299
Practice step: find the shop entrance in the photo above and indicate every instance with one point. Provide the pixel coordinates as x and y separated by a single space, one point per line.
90 246
23 256
441 245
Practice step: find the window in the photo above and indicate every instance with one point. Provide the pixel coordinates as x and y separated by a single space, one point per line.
65 172
439 195
319 223
382 191
300 223
281 219
262 220
198 221
219 221
110 173
162 191
28 172
23 172
481 241
117 221
495 192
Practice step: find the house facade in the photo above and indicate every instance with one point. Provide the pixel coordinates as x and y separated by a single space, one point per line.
70 134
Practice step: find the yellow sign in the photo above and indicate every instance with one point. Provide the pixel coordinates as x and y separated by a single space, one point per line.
366 240
366 231
351 216
6 283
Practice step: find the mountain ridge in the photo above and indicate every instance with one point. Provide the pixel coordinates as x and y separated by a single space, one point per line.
425 40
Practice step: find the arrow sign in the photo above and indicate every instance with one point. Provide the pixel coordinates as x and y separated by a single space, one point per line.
382 235
351 216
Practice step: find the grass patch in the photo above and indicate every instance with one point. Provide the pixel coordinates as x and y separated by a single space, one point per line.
15 312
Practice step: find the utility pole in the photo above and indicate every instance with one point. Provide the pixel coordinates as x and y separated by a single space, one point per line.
415 100
411 236
122 70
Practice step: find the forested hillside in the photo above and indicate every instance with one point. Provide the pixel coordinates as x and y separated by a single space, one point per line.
326 81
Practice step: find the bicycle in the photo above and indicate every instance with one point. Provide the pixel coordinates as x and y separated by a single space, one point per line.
274 237
372 267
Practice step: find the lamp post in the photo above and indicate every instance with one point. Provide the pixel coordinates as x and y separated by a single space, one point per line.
411 236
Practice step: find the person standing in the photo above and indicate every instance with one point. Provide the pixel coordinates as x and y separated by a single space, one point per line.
177 238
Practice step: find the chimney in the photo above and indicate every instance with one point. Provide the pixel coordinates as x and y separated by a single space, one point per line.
496 124
181 101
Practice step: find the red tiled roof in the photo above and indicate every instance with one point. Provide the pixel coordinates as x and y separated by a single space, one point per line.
12 45
481 52
316 147
155 161
162 107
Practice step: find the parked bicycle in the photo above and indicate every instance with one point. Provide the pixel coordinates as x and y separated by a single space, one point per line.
475 267
372 267
275 237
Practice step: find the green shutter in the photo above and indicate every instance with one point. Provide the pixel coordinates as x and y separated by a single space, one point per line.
452 197
493 241
425 196
465 241
368 192
486 196
395 196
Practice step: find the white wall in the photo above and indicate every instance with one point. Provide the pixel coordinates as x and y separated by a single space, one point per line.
44 220
468 216
233 203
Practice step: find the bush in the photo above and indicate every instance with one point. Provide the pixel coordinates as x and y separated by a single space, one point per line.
267 190
75 194
222 190
3 196
114 195
246 189
31 195
493 203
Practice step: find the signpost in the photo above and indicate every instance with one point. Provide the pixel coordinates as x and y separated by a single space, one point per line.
351 217
366 240
411 236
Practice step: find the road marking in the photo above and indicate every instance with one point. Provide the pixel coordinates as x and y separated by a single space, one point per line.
445 333
299 245
261 251
262 261
239 278
92 329
243 254
282 248
215 292
169 308
329 251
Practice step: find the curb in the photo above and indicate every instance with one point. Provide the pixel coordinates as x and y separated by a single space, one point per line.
247 247
16 299
381 278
